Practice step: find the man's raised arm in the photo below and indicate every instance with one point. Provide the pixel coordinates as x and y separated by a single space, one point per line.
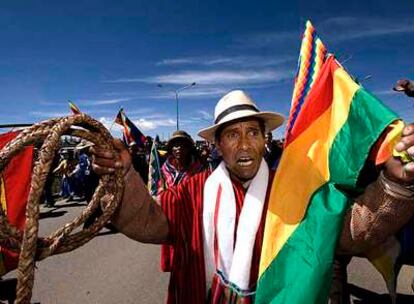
386 205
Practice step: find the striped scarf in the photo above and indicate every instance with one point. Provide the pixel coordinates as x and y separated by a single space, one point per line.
228 256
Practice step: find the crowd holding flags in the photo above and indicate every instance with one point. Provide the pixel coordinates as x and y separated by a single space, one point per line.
304 219
131 134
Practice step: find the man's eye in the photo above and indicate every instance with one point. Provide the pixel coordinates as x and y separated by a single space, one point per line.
254 133
232 135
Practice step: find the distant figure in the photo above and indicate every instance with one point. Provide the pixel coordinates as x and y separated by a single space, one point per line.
182 161
65 168
82 171
406 86
273 151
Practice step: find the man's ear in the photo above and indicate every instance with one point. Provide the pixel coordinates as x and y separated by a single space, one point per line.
218 147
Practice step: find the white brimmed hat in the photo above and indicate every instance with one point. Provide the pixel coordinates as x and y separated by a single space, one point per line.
236 105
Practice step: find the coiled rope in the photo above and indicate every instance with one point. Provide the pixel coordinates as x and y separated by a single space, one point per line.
107 194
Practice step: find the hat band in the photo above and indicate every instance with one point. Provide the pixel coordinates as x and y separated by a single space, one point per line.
234 109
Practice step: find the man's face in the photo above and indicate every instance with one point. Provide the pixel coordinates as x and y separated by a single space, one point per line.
242 145
269 138
180 149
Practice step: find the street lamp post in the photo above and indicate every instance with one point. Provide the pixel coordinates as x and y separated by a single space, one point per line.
176 91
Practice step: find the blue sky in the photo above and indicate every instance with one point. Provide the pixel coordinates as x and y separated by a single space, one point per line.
108 54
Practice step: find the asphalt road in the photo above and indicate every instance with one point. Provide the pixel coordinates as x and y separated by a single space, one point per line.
114 269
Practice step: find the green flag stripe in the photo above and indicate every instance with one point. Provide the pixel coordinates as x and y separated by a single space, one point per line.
367 119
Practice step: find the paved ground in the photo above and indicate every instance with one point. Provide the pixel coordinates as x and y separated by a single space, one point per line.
113 269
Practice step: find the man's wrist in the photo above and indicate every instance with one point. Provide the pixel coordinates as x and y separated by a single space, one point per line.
395 188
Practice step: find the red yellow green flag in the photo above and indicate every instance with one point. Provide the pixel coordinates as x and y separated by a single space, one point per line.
326 148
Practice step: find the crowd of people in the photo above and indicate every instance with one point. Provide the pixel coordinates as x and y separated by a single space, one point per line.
180 157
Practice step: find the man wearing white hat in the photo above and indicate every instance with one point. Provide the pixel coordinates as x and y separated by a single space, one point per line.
215 220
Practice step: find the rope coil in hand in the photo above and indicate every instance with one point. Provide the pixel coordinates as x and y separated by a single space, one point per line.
107 194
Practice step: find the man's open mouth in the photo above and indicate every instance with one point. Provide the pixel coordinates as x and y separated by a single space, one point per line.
245 161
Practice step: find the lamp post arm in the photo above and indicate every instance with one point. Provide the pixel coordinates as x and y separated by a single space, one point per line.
176 103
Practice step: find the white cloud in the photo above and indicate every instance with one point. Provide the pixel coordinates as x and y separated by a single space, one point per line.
51 103
205 115
44 114
384 92
146 124
218 77
191 92
348 28
115 129
238 61
333 29
176 61
101 101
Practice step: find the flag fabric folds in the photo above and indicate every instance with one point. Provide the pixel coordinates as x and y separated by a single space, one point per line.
329 137
155 178
14 190
74 108
131 134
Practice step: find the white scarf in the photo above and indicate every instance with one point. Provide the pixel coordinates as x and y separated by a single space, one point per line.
234 264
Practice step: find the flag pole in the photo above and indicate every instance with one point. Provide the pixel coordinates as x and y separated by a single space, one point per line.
113 121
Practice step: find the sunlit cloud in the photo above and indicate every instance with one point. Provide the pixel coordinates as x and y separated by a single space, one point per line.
213 77
85 102
148 124
385 92
193 92
336 29
348 28
46 114
176 61
144 124
236 61
205 114
101 101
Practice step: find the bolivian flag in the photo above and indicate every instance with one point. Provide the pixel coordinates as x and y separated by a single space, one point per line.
14 190
329 138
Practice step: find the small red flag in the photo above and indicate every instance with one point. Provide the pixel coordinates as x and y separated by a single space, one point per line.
14 191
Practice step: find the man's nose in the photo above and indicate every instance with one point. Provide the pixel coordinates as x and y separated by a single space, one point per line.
244 142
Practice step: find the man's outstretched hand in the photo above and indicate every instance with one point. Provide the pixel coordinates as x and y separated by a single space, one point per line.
395 168
106 161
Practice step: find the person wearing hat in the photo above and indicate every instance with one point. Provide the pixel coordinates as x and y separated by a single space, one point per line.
181 161
180 165
215 220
